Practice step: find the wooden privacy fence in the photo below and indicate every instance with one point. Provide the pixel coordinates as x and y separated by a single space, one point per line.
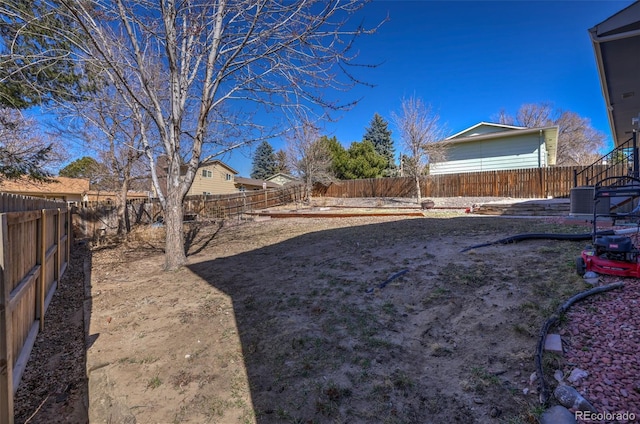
517 183
89 217
227 206
34 254
234 205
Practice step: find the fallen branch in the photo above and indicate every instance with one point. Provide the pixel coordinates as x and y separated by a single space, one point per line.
36 411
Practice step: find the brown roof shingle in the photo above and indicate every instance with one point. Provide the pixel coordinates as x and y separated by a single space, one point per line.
60 185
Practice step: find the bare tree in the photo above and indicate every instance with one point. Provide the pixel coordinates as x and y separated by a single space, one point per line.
503 117
113 132
422 138
218 60
578 142
310 157
535 115
25 151
282 162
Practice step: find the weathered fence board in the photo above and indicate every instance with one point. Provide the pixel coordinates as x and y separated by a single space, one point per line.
517 183
92 216
34 252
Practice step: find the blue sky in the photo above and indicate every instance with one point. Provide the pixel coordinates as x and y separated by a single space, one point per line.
470 59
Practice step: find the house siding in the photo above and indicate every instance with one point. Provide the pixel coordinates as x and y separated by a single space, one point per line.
281 179
216 184
524 151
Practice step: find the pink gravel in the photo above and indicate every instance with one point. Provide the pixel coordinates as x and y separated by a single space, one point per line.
602 335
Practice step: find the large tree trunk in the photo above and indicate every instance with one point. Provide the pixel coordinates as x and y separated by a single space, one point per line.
309 189
121 208
418 192
174 256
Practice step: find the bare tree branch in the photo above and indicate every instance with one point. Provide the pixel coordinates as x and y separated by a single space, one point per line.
578 142
217 59
422 138
309 156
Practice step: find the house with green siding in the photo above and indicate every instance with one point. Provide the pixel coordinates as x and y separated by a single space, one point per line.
282 179
493 147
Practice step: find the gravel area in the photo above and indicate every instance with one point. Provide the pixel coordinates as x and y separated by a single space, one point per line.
440 202
603 337
54 385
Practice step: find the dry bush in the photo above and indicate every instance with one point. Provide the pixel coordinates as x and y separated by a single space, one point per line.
147 234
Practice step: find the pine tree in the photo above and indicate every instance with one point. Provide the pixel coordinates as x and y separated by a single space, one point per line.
264 162
364 161
339 158
380 136
37 62
359 161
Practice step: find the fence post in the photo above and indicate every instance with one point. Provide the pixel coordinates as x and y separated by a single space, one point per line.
636 159
70 234
6 336
58 255
43 268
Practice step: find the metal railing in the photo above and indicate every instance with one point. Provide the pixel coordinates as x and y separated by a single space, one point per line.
621 161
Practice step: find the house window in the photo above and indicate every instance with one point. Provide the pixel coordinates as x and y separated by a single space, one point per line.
206 173
206 193
228 177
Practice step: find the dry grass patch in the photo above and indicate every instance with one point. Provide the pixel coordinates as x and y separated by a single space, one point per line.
284 321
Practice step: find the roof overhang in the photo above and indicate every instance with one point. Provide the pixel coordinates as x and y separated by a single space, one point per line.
616 44
252 182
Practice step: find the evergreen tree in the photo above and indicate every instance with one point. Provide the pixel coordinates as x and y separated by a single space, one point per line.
24 151
364 161
86 167
37 63
359 161
339 157
264 162
380 136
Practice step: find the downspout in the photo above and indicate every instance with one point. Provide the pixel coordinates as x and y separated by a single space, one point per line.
540 138
540 179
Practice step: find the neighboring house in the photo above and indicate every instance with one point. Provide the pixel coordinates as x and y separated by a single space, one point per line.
491 147
110 196
61 188
282 179
213 177
249 184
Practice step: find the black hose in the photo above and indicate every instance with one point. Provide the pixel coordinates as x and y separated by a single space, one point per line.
542 384
388 280
543 236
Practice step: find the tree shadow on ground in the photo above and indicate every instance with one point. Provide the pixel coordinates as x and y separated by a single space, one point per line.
191 239
319 345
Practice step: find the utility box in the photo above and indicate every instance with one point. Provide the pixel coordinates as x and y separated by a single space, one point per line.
582 202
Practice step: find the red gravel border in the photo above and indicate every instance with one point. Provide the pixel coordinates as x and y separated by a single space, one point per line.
602 335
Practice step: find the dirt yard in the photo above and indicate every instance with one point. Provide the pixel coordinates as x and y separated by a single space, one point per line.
296 321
